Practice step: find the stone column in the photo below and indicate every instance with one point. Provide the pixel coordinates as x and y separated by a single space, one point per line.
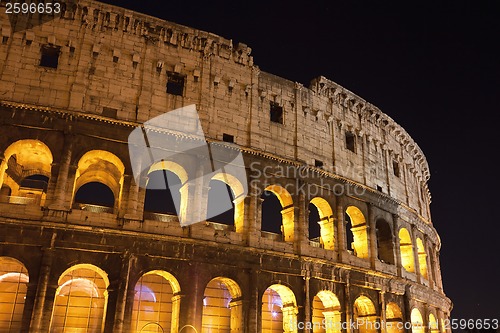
123 290
42 308
383 319
372 236
254 305
3 167
191 310
397 245
415 253
57 197
341 236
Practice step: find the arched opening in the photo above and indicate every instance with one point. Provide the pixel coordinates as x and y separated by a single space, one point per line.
365 315
156 303
26 171
357 236
226 201
321 227
220 206
422 258
162 193
13 287
222 306
326 313
433 324
406 249
394 318
98 168
278 219
81 300
417 322
166 191
96 197
384 242
279 310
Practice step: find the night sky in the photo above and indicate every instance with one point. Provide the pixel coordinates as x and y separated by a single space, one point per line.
432 66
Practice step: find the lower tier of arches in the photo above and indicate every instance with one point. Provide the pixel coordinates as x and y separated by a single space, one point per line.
94 280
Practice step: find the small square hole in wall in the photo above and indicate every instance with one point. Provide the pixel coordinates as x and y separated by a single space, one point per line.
5 39
318 164
227 137
276 113
175 84
379 188
50 56
109 112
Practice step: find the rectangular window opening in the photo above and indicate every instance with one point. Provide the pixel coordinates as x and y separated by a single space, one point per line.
175 84
109 112
50 56
395 167
227 138
350 141
276 113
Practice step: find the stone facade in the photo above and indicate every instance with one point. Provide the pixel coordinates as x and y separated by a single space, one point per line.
72 90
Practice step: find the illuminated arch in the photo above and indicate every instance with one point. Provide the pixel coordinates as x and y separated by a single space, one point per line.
279 310
394 318
25 158
156 303
422 259
433 324
181 205
417 322
359 232
287 212
327 229
365 315
14 281
326 313
222 306
81 300
239 195
101 167
384 241
406 249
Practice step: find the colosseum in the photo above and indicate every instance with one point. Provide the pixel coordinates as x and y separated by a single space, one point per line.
327 227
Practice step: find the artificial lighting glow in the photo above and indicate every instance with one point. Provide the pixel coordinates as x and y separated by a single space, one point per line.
274 314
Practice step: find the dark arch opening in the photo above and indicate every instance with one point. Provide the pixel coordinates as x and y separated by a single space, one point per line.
162 192
95 193
39 182
220 198
271 213
314 227
348 233
385 242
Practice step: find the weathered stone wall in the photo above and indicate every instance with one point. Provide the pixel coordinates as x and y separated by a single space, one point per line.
114 58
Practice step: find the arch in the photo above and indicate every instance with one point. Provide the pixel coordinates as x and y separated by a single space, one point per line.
22 159
81 300
178 188
433 324
326 225
384 242
87 195
287 212
162 192
417 322
279 310
358 230
406 249
365 315
422 259
14 281
102 167
222 306
394 318
156 303
326 313
238 196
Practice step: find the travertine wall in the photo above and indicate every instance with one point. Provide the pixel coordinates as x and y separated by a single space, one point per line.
114 58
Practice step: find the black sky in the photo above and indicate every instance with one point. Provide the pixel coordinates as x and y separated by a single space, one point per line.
433 66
